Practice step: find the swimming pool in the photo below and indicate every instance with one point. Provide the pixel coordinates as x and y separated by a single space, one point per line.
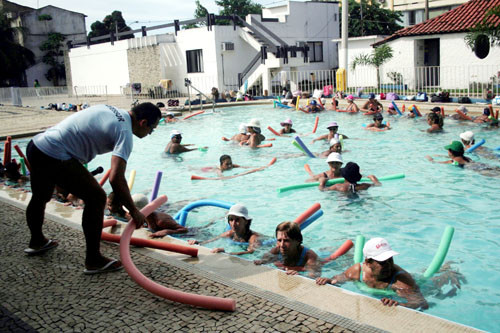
411 213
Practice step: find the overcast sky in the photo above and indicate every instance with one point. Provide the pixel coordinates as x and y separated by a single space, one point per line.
136 13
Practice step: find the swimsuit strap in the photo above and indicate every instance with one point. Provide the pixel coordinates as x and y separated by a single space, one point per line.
352 188
302 257
394 278
324 174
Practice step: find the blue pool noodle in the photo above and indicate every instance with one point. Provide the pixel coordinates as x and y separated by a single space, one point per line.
396 107
181 216
307 151
477 145
156 185
311 219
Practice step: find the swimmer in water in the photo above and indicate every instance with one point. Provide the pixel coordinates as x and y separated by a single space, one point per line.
377 123
334 161
256 138
240 231
352 176
242 135
456 154
332 128
287 127
335 147
175 146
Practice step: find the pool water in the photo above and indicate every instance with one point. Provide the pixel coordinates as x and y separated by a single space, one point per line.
411 213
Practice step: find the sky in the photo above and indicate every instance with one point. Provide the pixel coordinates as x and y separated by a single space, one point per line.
136 13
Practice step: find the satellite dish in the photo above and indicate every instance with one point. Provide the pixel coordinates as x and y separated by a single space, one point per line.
482 46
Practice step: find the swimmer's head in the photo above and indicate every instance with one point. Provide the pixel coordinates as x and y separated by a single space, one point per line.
287 122
463 109
291 229
313 102
467 136
486 111
433 118
175 135
350 98
456 148
334 158
378 116
378 249
140 200
372 96
242 128
239 212
351 172
170 115
333 126
254 124
226 162
436 109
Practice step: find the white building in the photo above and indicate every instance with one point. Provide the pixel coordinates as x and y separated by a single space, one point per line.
215 57
38 25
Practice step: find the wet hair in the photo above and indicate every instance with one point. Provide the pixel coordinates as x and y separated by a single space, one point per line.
435 119
486 111
292 230
147 111
223 158
378 116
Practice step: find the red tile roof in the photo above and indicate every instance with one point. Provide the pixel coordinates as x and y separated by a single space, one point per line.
460 19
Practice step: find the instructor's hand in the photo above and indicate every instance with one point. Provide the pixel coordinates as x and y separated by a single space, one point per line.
139 218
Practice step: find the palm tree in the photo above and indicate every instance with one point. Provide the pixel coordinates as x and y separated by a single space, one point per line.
378 57
15 59
485 33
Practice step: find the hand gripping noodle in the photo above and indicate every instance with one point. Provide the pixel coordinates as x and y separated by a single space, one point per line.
208 302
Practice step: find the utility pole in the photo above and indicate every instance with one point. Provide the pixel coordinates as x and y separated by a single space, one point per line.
426 10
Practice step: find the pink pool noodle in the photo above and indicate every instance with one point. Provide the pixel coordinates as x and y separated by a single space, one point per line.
305 215
192 115
208 302
156 185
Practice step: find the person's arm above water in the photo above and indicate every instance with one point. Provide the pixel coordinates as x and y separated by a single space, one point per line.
441 162
322 137
374 180
406 287
350 274
120 188
253 243
225 234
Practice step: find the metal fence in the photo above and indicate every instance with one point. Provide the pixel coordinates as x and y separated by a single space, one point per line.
475 81
42 96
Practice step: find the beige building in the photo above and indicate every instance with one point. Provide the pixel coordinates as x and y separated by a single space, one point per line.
414 10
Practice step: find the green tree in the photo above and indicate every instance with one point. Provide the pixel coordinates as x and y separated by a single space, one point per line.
229 7
14 58
199 12
111 23
369 18
53 49
488 28
378 57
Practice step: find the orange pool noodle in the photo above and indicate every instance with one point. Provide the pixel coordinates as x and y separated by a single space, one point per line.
192 115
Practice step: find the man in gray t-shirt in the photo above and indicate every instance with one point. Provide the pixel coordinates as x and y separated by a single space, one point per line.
57 156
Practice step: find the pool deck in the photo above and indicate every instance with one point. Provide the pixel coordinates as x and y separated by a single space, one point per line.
51 293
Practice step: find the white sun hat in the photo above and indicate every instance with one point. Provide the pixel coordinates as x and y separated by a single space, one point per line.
254 123
334 141
242 128
174 133
334 157
467 136
239 210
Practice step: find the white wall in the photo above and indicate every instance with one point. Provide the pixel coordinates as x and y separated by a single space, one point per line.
101 65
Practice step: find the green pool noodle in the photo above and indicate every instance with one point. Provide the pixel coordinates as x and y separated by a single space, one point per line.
358 249
298 146
336 181
202 149
23 166
438 259
86 165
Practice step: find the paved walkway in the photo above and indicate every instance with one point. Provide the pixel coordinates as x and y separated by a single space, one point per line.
50 293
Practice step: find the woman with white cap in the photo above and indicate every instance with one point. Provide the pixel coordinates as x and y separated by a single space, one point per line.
335 147
256 138
332 128
175 146
334 161
240 231
379 271
287 127
242 134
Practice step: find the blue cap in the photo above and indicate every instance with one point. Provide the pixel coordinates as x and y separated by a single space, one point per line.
313 102
372 95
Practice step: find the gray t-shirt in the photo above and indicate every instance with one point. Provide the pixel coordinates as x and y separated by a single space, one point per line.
96 130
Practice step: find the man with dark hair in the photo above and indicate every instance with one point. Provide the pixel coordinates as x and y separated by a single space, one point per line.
289 253
57 157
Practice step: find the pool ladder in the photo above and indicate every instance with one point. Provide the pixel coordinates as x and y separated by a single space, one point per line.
188 85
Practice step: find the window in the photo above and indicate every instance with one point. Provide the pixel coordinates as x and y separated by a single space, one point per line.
411 17
315 51
194 59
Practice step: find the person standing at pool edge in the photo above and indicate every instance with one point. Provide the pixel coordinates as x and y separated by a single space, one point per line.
57 156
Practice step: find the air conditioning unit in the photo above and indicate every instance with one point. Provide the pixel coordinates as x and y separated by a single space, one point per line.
227 46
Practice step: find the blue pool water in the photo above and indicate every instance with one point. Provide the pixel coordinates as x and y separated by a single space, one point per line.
411 213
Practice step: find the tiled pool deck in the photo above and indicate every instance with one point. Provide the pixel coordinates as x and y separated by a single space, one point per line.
50 293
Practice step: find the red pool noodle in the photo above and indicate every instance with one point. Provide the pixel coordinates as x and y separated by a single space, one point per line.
340 251
316 123
20 152
273 130
192 115
442 111
266 145
496 114
6 151
463 115
305 215
225 139
208 302
105 177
